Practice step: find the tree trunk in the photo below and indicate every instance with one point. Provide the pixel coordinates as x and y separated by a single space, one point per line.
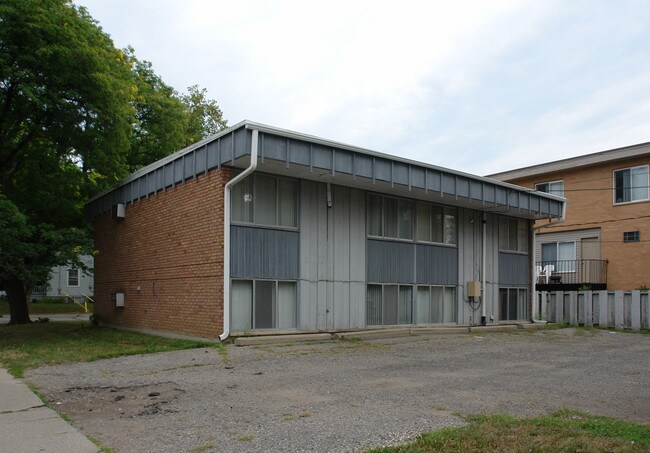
18 296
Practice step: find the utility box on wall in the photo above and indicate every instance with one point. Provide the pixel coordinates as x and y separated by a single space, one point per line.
473 289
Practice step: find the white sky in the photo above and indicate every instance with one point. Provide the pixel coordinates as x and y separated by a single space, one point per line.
478 86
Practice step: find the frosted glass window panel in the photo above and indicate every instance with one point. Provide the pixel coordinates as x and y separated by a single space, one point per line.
287 297
450 225
390 217
374 216
287 203
373 305
423 305
437 295
265 200
522 304
522 236
437 224
512 234
242 201
503 233
423 228
405 219
242 305
264 304
405 305
503 299
390 305
449 310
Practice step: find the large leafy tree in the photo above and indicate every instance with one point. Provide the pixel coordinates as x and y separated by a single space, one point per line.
76 115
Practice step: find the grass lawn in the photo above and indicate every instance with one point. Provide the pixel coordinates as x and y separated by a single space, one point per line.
38 344
565 430
48 309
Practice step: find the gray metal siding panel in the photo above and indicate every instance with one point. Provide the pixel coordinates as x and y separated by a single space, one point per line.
390 262
436 265
514 269
322 157
264 253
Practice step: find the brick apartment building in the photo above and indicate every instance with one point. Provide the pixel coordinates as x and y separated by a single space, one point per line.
605 240
259 230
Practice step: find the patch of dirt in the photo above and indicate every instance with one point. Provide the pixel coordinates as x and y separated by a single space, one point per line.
117 402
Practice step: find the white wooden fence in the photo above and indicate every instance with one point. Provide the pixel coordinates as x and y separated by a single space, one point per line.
618 309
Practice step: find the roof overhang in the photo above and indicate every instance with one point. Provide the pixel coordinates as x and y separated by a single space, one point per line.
303 156
599 158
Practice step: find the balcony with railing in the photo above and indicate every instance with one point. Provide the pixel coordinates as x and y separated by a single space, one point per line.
571 275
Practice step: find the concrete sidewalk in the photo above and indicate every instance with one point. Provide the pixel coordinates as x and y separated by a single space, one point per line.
27 425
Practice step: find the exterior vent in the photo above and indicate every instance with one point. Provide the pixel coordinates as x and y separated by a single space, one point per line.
117 299
119 211
631 236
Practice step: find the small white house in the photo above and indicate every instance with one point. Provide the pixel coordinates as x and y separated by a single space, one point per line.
68 282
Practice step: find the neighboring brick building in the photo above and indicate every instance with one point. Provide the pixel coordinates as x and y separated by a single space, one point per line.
607 218
319 236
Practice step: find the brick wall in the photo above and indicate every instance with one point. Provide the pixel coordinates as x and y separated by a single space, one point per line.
628 266
167 257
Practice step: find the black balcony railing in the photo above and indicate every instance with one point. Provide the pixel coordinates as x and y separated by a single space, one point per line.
571 275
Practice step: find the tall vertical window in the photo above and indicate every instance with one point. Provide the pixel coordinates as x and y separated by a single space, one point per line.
266 200
389 305
631 184
513 235
513 304
263 304
552 187
436 304
73 277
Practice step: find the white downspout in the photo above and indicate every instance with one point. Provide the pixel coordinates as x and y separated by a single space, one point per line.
483 272
226 234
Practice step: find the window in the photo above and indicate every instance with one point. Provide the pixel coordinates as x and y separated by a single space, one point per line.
436 304
552 187
631 184
561 255
266 200
513 235
389 305
394 218
263 304
390 217
513 304
631 236
436 224
73 277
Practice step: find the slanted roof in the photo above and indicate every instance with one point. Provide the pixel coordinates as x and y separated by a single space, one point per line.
602 157
289 153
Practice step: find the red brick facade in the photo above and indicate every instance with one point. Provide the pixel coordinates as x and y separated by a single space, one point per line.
166 255
590 204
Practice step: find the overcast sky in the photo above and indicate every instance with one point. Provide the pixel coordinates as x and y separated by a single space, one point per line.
477 86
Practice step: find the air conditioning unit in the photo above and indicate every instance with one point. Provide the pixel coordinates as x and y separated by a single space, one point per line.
119 211
117 299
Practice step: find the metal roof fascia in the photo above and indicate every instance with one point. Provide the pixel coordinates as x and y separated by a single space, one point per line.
331 143
167 159
314 140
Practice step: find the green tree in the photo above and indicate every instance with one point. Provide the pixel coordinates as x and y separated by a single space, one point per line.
159 126
76 115
203 116
65 117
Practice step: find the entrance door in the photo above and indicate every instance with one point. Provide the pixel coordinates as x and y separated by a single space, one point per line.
590 268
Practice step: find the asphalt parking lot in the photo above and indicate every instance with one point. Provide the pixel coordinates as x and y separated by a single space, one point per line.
342 396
